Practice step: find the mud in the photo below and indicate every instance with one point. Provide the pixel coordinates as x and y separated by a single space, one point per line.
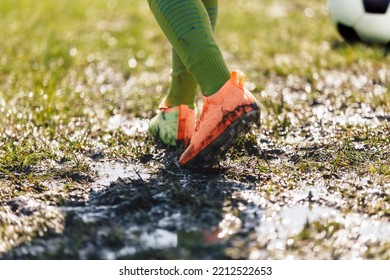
312 183
157 210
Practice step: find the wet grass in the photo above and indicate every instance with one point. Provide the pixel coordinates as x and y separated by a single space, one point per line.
78 83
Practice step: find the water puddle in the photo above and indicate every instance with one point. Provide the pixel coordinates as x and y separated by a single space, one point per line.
130 212
158 239
108 172
246 212
351 233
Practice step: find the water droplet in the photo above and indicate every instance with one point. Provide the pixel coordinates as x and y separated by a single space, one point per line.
73 51
133 62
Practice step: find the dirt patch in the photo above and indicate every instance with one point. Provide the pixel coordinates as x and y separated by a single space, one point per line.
312 183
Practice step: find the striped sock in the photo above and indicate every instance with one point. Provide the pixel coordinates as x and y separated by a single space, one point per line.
188 27
183 85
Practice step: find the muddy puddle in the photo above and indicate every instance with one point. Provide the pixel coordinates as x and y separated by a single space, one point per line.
310 184
133 212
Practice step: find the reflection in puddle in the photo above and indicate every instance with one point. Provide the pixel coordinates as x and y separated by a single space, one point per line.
290 221
110 171
230 225
356 232
158 239
141 241
158 225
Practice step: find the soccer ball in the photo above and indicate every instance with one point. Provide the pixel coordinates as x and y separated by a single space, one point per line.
362 20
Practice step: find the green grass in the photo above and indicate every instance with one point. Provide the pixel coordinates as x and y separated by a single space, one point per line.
66 69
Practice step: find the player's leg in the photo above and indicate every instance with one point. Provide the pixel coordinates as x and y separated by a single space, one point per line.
183 85
228 107
175 121
187 26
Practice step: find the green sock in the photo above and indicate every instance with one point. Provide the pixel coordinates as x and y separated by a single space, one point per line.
188 27
183 85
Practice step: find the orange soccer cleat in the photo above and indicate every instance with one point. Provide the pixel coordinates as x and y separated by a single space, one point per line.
226 115
173 126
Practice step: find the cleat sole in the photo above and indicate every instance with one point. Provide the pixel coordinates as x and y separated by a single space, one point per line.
218 148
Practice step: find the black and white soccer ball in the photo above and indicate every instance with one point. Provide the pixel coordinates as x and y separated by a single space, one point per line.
362 20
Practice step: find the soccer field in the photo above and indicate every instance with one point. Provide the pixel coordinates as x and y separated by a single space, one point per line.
81 179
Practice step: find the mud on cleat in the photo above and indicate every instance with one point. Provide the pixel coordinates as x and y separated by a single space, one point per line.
173 126
226 115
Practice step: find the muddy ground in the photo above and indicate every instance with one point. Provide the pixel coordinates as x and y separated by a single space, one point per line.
312 183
